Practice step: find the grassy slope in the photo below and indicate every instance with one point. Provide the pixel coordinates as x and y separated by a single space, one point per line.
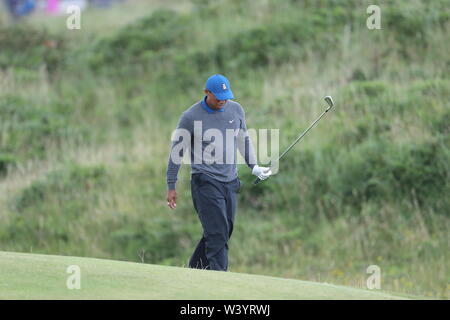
33 276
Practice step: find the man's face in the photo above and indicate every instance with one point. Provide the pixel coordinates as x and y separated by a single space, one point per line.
212 102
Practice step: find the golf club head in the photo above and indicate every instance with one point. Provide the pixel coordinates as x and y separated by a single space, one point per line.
329 101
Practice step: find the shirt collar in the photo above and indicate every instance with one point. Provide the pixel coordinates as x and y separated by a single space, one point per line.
208 109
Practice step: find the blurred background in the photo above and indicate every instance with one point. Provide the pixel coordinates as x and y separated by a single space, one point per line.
86 117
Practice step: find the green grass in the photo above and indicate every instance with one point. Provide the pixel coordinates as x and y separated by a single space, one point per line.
34 276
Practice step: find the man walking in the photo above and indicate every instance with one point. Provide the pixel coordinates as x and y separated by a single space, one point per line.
213 129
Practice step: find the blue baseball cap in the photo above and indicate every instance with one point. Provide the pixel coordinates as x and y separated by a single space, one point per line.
220 87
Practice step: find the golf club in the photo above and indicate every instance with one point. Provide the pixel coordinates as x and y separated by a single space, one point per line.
330 103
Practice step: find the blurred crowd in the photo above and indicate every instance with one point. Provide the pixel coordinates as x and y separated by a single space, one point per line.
22 8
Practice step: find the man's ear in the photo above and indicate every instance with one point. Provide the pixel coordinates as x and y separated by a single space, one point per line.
206 91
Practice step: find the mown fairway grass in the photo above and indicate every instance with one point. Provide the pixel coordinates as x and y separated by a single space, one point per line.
35 276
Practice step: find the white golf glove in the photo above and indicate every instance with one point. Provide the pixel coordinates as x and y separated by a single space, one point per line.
261 172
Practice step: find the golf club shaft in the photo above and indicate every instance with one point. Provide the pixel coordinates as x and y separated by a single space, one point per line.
297 140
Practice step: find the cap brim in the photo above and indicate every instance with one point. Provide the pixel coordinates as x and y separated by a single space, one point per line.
224 95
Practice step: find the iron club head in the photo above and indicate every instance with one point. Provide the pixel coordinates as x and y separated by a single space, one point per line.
330 102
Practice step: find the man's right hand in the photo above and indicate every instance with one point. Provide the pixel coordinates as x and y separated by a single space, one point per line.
172 199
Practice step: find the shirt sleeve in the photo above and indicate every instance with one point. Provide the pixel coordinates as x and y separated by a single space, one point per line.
180 142
245 145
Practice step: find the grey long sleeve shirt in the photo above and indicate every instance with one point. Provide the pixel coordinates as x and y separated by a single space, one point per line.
212 136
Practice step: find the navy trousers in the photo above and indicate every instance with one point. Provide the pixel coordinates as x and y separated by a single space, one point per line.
215 203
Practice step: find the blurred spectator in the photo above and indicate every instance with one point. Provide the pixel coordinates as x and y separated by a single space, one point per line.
20 8
60 6
64 4
103 3
52 6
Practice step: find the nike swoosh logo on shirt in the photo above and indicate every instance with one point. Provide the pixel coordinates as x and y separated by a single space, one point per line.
231 121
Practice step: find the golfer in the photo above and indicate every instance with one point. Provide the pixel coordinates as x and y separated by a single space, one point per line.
212 129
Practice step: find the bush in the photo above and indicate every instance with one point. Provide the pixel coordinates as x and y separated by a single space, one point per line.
419 170
414 24
361 131
432 88
377 170
27 128
156 240
25 47
370 88
163 38
63 185
135 43
442 124
46 210
6 160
